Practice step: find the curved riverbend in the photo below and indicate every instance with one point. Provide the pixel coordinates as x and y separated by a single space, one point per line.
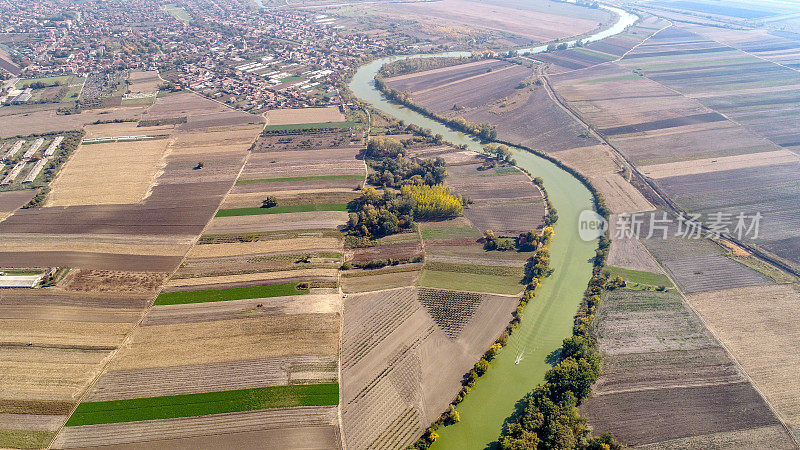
548 319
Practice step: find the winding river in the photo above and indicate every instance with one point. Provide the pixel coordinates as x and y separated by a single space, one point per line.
548 319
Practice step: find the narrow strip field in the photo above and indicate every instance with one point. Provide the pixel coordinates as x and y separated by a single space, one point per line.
309 126
282 209
314 178
187 405
221 295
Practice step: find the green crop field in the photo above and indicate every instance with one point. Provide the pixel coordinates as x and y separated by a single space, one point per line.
639 280
24 439
282 209
187 405
495 284
310 126
503 271
60 80
290 78
222 295
21 272
310 178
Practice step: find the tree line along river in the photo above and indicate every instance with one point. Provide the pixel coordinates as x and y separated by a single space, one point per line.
549 318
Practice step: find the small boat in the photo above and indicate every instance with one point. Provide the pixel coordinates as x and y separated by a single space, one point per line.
519 358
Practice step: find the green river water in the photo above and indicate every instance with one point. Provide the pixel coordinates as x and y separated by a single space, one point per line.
548 319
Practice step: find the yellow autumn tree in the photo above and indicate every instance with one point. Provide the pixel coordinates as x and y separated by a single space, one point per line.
433 202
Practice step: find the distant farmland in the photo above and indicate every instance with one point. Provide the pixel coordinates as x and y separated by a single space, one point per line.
706 152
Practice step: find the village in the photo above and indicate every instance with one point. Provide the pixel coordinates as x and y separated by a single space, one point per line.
248 58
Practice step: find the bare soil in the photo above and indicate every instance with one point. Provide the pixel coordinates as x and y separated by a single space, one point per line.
736 315
304 115
312 427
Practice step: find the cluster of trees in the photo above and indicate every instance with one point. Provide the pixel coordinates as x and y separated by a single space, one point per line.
593 5
384 147
617 282
492 242
554 47
397 171
525 242
552 213
269 202
380 215
484 131
433 202
528 242
529 83
42 84
124 120
379 263
500 152
538 265
550 417
422 194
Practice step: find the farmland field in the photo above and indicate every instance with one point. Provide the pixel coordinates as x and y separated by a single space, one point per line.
312 427
470 24
151 408
662 366
390 342
639 278
309 126
307 178
735 314
469 281
281 209
229 312
272 290
117 231
313 220
716 109
218 278
304 115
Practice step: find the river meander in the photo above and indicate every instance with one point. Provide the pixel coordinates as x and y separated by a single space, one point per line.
548 319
